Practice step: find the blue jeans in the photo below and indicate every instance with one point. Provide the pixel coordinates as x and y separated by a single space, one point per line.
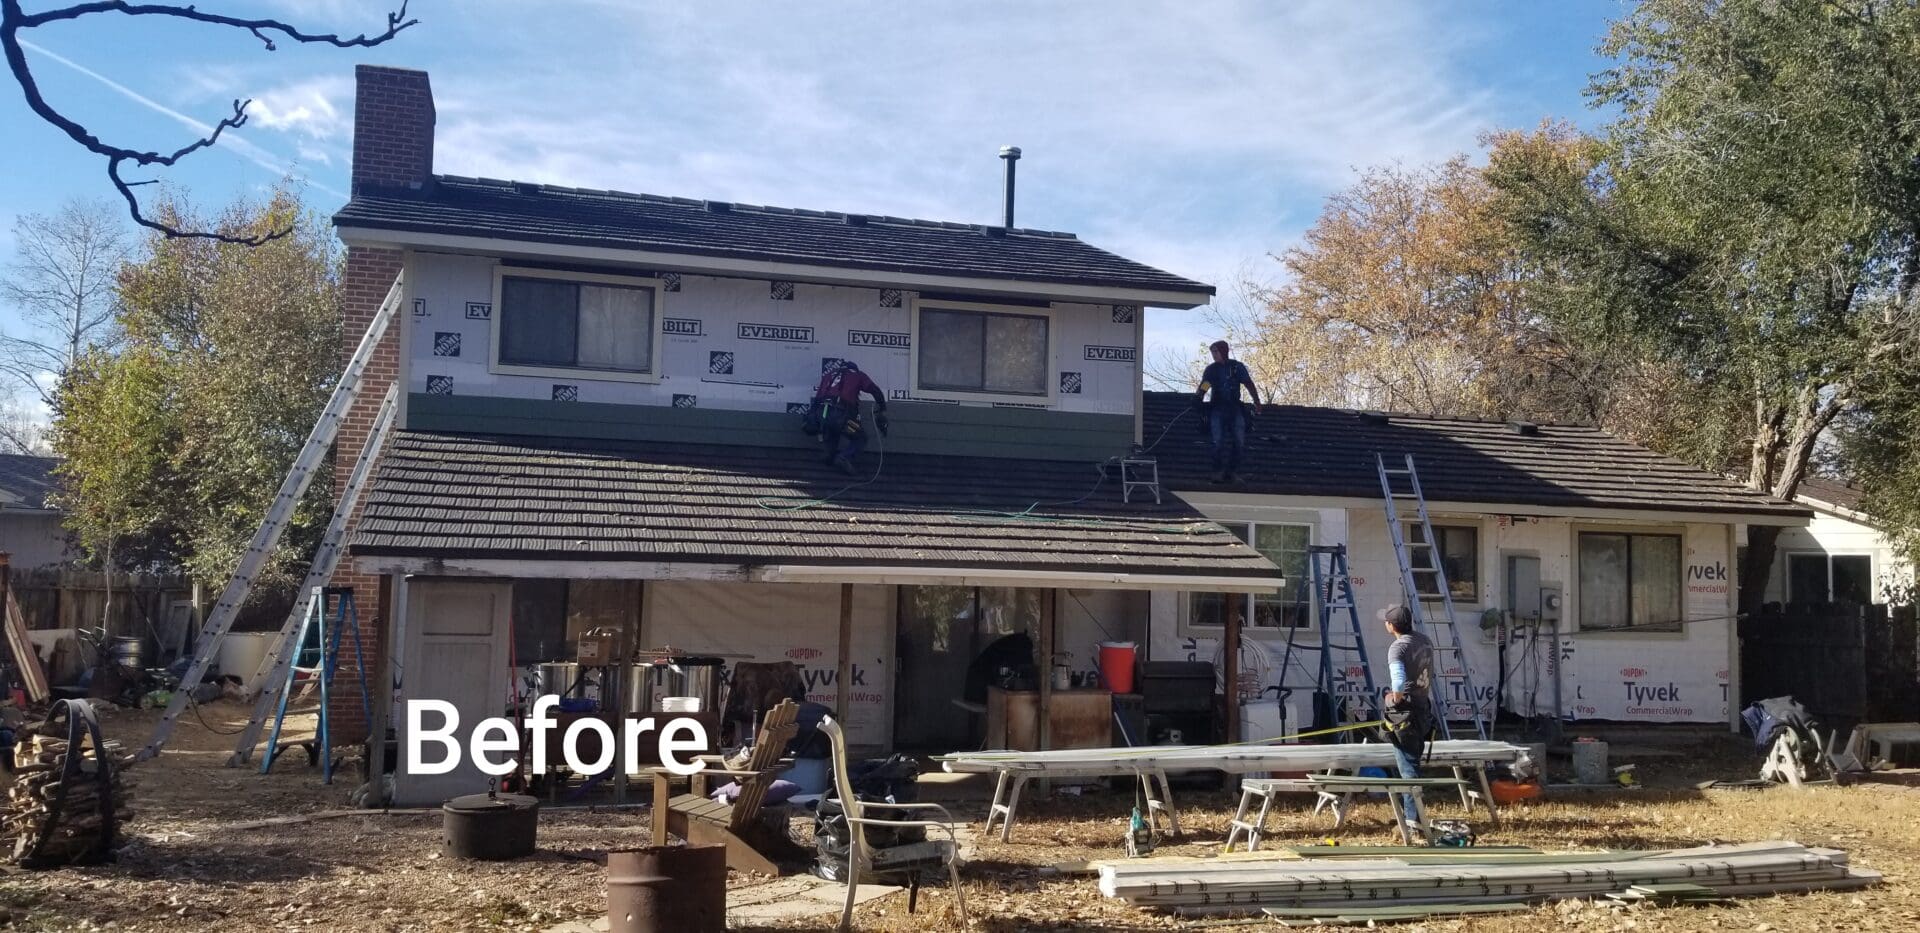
1228 427
834 430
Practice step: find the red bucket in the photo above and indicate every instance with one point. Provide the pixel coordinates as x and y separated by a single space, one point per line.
1116 665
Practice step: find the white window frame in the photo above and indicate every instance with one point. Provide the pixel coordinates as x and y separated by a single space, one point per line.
1051 382
1571 601
1307 631
497 324
1786 572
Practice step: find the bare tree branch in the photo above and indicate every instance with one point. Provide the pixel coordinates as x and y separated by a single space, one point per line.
13 19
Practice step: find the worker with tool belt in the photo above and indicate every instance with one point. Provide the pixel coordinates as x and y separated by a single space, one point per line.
1409 712
1227 417
835 413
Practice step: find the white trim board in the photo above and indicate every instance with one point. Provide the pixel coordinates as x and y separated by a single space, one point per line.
750 268
1203 499
789 573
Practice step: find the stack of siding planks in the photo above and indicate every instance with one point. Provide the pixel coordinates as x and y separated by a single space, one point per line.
1358 884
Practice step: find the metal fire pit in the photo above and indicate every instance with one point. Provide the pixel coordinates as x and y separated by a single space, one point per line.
490 826
667 889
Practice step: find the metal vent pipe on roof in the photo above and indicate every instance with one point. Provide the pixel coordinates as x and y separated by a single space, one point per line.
1012 155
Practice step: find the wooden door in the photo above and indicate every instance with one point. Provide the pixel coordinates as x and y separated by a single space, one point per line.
456 651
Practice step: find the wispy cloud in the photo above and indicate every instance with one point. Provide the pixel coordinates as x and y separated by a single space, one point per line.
230 141
316 108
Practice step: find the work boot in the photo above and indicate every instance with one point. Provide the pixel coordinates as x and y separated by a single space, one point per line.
845 465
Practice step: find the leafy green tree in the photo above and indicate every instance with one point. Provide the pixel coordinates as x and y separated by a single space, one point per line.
236 349
1753 216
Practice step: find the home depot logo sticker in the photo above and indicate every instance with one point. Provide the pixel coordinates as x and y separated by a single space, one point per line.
1110 354
784 333
878 338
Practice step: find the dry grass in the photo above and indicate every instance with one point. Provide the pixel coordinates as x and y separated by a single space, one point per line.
188 868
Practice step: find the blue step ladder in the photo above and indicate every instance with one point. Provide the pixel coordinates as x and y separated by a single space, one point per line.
346 616
1452 674
1344 674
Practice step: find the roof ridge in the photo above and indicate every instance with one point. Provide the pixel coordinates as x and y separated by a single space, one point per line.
836 216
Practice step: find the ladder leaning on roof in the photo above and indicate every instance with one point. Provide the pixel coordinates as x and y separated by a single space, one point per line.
312 456
1450 668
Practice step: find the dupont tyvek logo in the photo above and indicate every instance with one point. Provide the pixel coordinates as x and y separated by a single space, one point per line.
878 338
1110 354
683 327
784 333
720 362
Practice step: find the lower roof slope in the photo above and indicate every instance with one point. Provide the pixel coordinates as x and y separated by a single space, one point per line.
1307 451
453 496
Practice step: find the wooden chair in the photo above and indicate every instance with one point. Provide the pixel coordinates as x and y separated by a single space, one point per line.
751 844
863 859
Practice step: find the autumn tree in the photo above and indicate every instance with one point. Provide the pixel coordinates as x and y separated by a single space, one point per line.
238 345
1754 216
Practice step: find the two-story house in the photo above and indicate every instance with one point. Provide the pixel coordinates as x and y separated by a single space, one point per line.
600 424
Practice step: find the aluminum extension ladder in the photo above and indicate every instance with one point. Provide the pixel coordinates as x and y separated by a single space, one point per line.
312 457
1347 682
1451 669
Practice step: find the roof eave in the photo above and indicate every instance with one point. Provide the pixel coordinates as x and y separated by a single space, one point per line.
358 233
1783 516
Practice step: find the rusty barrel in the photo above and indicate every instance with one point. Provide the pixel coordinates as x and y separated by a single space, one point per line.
667 889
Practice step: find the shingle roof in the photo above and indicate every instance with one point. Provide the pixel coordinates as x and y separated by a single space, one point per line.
457 496
1300 450
26 481
548 214
1831 492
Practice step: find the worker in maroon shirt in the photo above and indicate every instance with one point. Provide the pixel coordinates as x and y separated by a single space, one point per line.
837 400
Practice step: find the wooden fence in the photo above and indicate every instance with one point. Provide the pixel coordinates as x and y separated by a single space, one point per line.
1845 663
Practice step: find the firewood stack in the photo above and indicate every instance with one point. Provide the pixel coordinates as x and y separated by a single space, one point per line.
39 828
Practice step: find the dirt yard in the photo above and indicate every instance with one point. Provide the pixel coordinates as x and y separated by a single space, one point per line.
190 863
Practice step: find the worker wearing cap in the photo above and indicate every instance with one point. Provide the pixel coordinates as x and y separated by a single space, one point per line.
1409 700
837 399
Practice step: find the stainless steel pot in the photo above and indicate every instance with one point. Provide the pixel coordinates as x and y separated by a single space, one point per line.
558 678
678 677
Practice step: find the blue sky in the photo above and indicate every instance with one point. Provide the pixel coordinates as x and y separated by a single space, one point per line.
1197 136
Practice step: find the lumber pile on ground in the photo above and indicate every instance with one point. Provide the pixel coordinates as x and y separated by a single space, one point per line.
1354 885
41 826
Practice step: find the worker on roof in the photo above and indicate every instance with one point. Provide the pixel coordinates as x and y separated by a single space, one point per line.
835 413
1227 417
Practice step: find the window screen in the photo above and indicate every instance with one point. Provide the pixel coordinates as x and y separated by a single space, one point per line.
1630 581
554 323
983 351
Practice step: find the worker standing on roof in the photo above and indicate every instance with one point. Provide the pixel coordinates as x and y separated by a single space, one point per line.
1227 417
836 412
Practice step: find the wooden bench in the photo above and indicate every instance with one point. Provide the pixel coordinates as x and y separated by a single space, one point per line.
752 845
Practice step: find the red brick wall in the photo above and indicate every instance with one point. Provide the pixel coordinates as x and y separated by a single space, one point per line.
392 145
392 126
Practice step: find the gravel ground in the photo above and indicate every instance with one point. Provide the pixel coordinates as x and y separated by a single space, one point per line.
188 866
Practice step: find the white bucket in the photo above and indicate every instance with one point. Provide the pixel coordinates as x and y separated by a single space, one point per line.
241 654
679 704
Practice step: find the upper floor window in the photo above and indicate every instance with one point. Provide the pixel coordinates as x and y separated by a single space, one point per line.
571 321
1630 581
981 352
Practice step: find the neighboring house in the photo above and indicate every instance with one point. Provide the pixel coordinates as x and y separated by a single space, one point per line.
30 529
601 425
1639 548
1843 555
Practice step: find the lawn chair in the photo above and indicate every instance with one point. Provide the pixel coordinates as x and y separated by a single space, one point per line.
909 858
752 845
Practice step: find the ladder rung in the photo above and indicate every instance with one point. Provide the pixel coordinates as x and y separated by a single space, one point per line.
1394 471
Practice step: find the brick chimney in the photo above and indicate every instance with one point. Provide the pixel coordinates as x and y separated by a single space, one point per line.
393 120
392 127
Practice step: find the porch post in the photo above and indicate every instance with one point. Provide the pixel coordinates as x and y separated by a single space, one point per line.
391 644
844 676
1048 615
1230 656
